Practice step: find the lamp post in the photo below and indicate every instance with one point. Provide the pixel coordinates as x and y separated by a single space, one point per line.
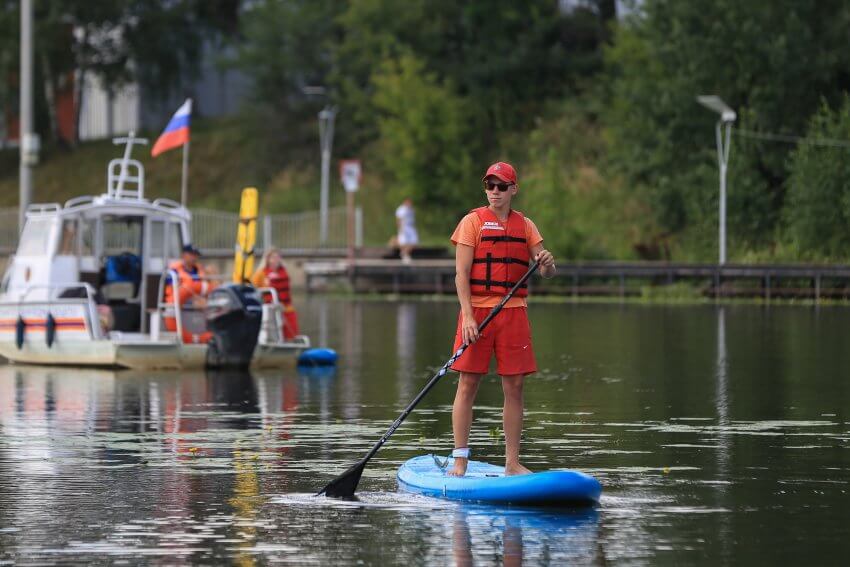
327 117
723 132
28 140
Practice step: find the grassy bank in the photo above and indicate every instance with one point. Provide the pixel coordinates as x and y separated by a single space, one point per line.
225 157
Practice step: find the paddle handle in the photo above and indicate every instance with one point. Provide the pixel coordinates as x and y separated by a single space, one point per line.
444 370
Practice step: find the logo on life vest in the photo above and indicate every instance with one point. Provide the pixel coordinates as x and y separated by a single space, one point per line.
490 225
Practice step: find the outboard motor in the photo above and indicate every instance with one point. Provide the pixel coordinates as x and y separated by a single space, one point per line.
234 313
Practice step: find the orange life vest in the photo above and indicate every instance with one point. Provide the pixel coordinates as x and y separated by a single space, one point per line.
189 285
501 256
279 280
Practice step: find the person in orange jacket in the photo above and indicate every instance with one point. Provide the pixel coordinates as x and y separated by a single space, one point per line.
494 246
272 273
192 290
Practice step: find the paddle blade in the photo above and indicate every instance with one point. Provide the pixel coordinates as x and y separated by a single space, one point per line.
345 484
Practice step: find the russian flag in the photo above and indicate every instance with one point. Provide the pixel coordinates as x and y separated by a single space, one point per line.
176 133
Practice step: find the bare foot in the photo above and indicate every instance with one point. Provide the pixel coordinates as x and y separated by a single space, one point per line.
460 467
513 469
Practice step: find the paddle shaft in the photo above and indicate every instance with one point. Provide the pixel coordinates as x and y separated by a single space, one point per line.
442 372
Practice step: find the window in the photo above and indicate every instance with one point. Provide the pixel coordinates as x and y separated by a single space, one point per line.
35 237
86 236
157 239
175 241
68 238
122 234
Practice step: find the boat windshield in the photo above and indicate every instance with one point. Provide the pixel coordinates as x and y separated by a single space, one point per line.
122 234
35 238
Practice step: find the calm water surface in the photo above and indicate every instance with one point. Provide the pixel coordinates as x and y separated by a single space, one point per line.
721 435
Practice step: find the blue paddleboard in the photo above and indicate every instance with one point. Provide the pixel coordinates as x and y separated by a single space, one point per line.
484 482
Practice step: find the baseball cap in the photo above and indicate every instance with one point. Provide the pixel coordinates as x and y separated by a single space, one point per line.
191 249
503 171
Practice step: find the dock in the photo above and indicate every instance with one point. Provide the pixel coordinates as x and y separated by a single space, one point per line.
599 278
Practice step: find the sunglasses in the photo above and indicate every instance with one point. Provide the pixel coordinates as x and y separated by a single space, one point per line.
502 187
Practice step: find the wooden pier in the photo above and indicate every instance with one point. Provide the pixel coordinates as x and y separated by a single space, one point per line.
436 276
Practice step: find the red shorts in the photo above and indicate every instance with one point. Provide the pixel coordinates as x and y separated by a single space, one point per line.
508 336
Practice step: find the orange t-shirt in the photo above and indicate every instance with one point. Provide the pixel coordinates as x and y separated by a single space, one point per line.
468 232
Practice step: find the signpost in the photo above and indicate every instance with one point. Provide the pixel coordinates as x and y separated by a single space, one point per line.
350 173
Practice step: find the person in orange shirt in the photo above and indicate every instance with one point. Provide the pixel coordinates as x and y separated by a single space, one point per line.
493 248
192 290
272 273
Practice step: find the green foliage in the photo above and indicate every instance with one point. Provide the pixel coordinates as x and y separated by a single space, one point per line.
217 174
9 41
818 207
157 43
771 60
423 130
508 66
616 159
285 46
580 213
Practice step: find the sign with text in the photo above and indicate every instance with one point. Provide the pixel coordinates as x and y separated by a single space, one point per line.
350 173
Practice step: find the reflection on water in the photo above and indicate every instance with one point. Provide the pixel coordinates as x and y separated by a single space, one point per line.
720 435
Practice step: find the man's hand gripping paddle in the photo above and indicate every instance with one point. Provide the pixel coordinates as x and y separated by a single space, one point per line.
345 484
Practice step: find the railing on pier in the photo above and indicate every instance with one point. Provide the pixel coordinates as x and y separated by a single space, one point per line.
767 281
214 232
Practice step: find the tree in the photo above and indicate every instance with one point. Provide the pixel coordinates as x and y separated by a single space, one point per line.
423 129
771 60
284 47
157 42
507 67
817 210
9 41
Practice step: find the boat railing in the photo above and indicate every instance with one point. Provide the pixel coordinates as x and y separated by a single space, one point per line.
278 315
280 321
77 201
163 306
95 331
167 203
125 171
43 208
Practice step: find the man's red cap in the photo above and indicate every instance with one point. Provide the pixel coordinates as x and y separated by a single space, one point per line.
503 171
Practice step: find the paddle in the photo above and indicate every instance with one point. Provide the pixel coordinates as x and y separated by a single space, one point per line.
345 484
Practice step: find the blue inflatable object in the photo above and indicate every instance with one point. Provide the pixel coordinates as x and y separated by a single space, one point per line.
318 357
484 482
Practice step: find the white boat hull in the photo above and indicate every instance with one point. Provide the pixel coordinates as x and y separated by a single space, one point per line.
138 355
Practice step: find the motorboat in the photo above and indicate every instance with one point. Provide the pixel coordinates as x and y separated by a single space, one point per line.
86 288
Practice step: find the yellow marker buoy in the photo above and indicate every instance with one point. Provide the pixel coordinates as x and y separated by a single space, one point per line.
246 236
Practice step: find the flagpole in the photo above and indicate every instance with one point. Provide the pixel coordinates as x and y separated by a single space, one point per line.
184 186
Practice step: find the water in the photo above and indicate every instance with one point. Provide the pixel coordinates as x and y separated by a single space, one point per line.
720 435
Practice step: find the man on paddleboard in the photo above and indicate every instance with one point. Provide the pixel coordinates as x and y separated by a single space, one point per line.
493 248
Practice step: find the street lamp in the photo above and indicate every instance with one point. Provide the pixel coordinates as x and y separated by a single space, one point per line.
723 132
327 117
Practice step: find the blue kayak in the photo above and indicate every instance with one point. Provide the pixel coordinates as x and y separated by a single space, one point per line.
484 482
